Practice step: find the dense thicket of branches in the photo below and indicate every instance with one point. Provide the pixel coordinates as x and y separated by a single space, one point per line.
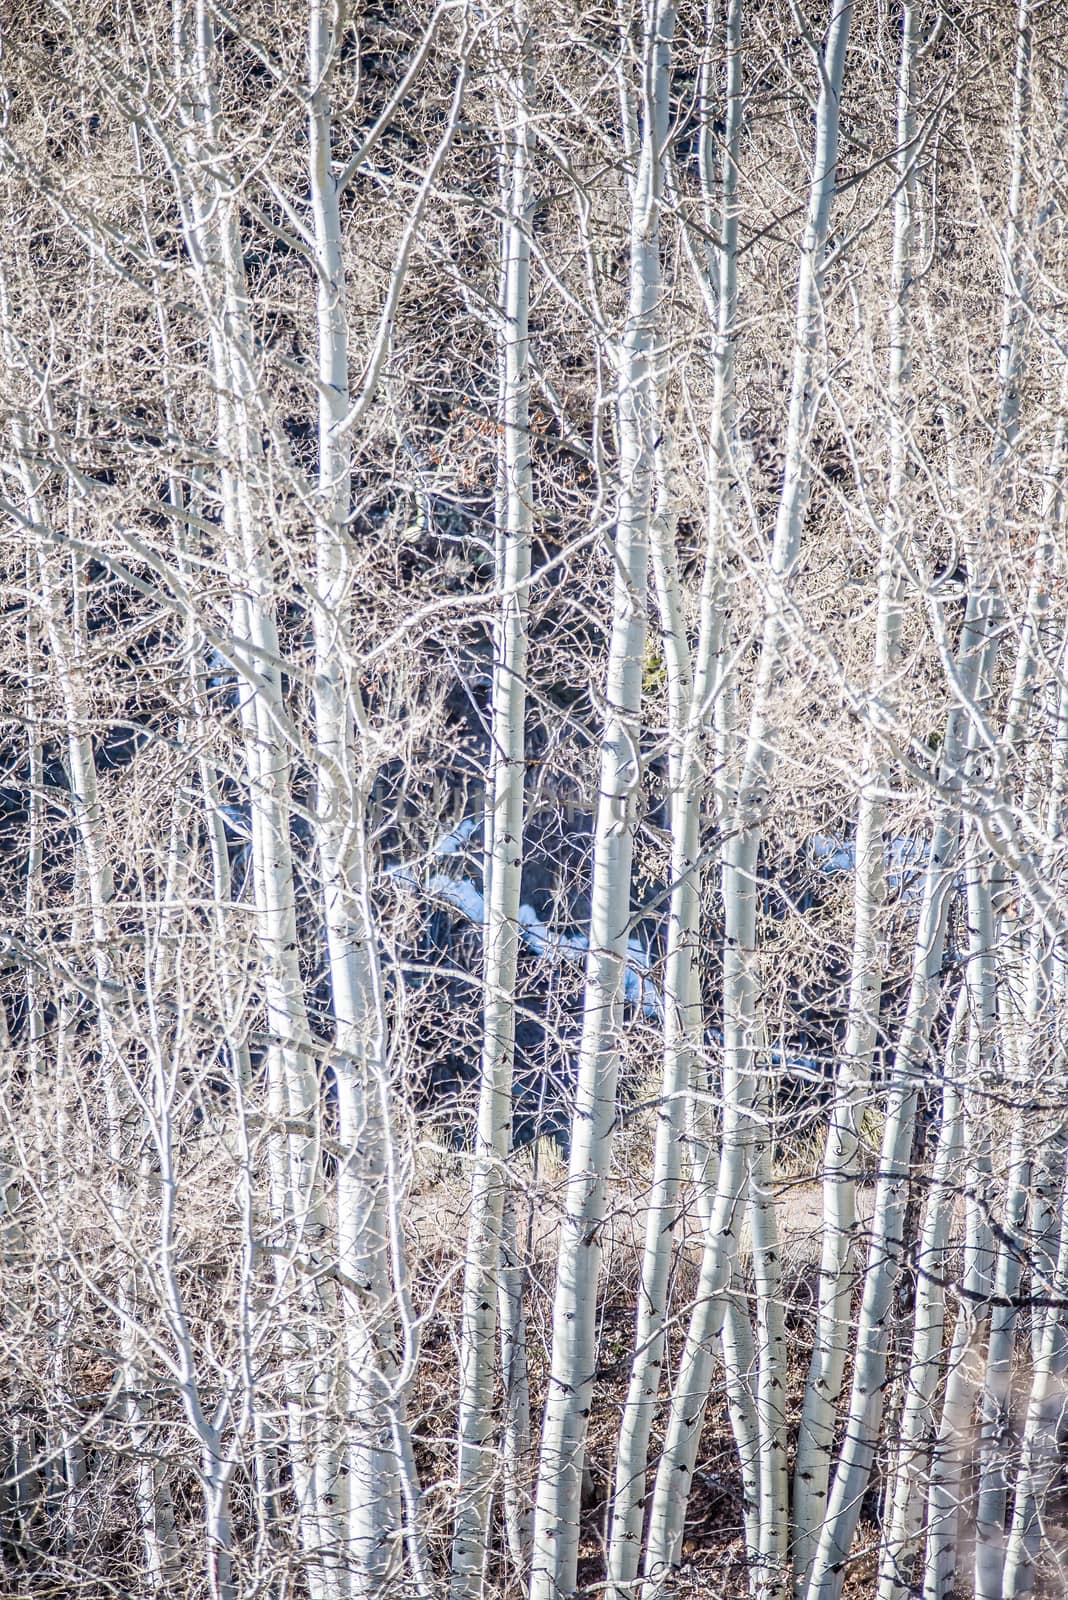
534 715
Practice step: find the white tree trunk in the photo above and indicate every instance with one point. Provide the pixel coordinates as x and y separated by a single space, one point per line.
1039 1447
558 1493
837 1267
515 1381
684 1013
974 664
307 1299
905 1499
478 1446
690 1394
67 645
953 1442
368 1492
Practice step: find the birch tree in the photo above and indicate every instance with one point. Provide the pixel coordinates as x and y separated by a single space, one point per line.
555 1548
831 1348
532 707
504 844
739 873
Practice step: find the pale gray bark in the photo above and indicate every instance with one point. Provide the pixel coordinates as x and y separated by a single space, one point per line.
1005 1558
770 1574
1039 1446
994 1445
478 1444
905 1499
368 1491
515 1381
306 1301
837 1264
954 1438
67 643
974 664
558 1493
691 694
690 1393
681 1030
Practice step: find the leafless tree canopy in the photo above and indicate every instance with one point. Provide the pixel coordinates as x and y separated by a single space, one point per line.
534 723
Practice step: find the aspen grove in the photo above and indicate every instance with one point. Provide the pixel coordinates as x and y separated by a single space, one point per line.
534 799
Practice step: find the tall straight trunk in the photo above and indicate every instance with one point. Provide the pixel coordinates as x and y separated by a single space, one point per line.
690 1395
994 1438
905 1498
68 649
833 1335
300 1213
683 1012
973 667
218 1462
1029 1167
681 1026
44 1070
558 1493
952 1445
165 1049
1005 1558
1039 1451
971 677
774 1527
515 1382
370 1484
218 1459
1025 996
16 1469
477 1421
